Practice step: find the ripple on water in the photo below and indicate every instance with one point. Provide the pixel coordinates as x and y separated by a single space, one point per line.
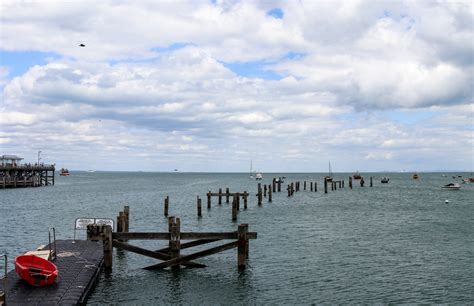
397 243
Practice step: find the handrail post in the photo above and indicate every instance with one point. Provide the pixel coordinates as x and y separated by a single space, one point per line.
3 293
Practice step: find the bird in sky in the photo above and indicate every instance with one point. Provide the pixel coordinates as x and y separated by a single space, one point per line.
82 45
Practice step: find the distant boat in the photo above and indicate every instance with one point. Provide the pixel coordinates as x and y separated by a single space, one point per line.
452 186
357 176
258 176
328 178
385 180
91 171
415 176
251 174
175 170
64 172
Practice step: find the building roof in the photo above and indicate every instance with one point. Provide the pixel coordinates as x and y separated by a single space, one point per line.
10 157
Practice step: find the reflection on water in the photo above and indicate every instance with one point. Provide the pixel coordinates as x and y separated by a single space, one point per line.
393 243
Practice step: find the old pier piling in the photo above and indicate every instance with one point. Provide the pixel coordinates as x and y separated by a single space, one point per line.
14 175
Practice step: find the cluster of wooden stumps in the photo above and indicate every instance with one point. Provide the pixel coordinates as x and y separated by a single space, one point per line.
170 256
265 191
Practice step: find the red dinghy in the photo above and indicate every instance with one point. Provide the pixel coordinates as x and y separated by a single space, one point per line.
35 270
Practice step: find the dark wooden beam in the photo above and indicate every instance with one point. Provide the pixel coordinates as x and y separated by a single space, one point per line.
190 244
141 236
184 235
180 260
152 254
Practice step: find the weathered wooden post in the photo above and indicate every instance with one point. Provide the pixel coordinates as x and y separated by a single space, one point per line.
245 199
274 185
265 190
242 248
227 195
335 185
167 202
362 182
119 222
311 186
371 184
315 187
107 246
259 195
279 185
126 213
220 196
199 207
209 200
304 185
234 209
269 194
325 186
350 182
288 188
340 184
237 195
175 238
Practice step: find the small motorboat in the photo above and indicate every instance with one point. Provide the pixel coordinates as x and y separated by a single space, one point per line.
452 186
258 176
64 172
356 176
385 180
35 270
416 176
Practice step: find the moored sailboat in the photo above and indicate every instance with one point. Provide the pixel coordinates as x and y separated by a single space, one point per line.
328 177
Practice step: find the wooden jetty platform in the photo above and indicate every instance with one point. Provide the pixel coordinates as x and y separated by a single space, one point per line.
13 176
79 263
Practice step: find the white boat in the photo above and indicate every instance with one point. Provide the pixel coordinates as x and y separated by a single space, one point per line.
452 186
328 177
251 174
258 175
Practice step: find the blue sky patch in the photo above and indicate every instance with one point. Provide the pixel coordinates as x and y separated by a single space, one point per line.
276 13
294 55
410 117
18 62
255 69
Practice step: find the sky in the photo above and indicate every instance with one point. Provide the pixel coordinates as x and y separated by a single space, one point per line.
212 85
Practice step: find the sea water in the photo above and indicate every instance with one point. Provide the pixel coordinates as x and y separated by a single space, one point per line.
392 243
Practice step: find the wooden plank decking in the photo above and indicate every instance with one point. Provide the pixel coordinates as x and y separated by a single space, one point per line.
79 267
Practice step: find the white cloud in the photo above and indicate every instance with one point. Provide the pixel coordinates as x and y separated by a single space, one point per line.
128 94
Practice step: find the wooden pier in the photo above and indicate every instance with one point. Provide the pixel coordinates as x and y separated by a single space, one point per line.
14 176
